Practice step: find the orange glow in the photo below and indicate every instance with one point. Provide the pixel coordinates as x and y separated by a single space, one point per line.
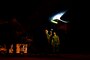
11 49
3 49
23 49
17 48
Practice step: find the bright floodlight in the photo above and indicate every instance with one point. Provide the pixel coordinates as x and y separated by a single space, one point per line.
58 18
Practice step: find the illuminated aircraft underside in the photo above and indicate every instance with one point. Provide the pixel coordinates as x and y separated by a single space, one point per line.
56 18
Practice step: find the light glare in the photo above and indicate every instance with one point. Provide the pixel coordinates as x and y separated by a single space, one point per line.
58 17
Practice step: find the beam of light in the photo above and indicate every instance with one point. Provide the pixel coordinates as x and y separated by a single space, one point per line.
64 21
58 17
53 21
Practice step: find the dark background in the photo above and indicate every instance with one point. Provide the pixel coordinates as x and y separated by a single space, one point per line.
36 13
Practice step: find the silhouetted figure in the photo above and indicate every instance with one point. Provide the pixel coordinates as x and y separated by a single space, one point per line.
21 49
50 40
55 42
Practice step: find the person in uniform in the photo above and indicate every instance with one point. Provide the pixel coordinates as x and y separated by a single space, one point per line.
47 34
55 42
